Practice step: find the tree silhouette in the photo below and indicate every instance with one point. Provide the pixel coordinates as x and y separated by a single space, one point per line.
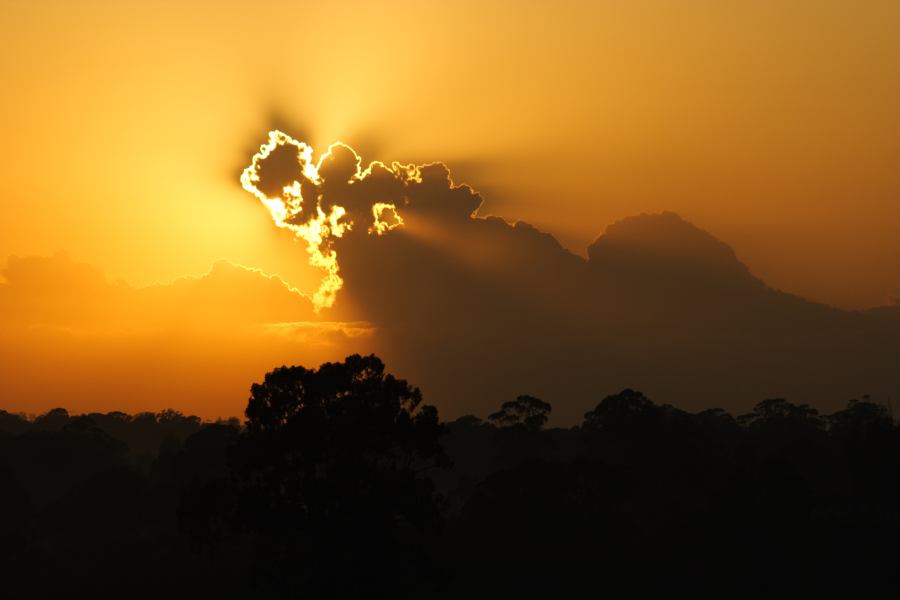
332 475
525 411
779 413
861 421
626 409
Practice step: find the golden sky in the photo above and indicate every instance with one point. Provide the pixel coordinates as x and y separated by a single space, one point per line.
771 124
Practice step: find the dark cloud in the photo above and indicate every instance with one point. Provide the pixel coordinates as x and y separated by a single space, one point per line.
477 310
652 245
345 181
275 118
280 169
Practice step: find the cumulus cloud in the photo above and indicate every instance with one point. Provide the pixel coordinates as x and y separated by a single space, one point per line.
322 201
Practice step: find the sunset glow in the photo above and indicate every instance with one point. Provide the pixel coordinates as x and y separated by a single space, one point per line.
292 211
147 142
595 298
385 217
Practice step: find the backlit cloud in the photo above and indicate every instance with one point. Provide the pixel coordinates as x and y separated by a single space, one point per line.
334 196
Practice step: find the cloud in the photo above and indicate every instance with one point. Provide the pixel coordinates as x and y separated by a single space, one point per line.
473 309
72 338
58 291
664 243
477 310
322 201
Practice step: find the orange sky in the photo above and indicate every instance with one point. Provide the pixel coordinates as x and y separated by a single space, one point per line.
771 124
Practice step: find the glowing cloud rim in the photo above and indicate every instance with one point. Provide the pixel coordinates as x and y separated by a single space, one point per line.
319 229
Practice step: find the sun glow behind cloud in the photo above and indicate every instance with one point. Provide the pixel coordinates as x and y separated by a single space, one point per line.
313 219
313 224
385 217
623 108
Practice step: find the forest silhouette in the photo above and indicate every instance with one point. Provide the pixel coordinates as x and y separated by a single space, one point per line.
342 483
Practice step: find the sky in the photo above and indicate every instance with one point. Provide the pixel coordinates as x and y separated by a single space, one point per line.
771 124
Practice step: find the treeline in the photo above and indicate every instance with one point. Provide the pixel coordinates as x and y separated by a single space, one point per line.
144 434
341 483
